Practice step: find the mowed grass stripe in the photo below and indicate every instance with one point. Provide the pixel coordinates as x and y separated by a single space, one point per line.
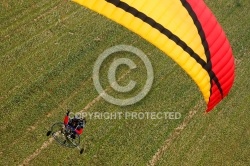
20 33
41 50
35 64
11 10
24 34
38 43
177 131
24 17
60 66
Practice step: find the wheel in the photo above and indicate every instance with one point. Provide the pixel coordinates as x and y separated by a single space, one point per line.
63 137
81 151
48 133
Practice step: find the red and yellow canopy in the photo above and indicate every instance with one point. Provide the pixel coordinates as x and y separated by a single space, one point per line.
186 30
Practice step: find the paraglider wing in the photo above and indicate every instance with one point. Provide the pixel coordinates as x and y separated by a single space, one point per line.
186 30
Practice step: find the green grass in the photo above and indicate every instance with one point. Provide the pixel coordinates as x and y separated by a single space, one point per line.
48 50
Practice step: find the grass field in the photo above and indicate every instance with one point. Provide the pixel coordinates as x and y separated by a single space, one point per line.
48 49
